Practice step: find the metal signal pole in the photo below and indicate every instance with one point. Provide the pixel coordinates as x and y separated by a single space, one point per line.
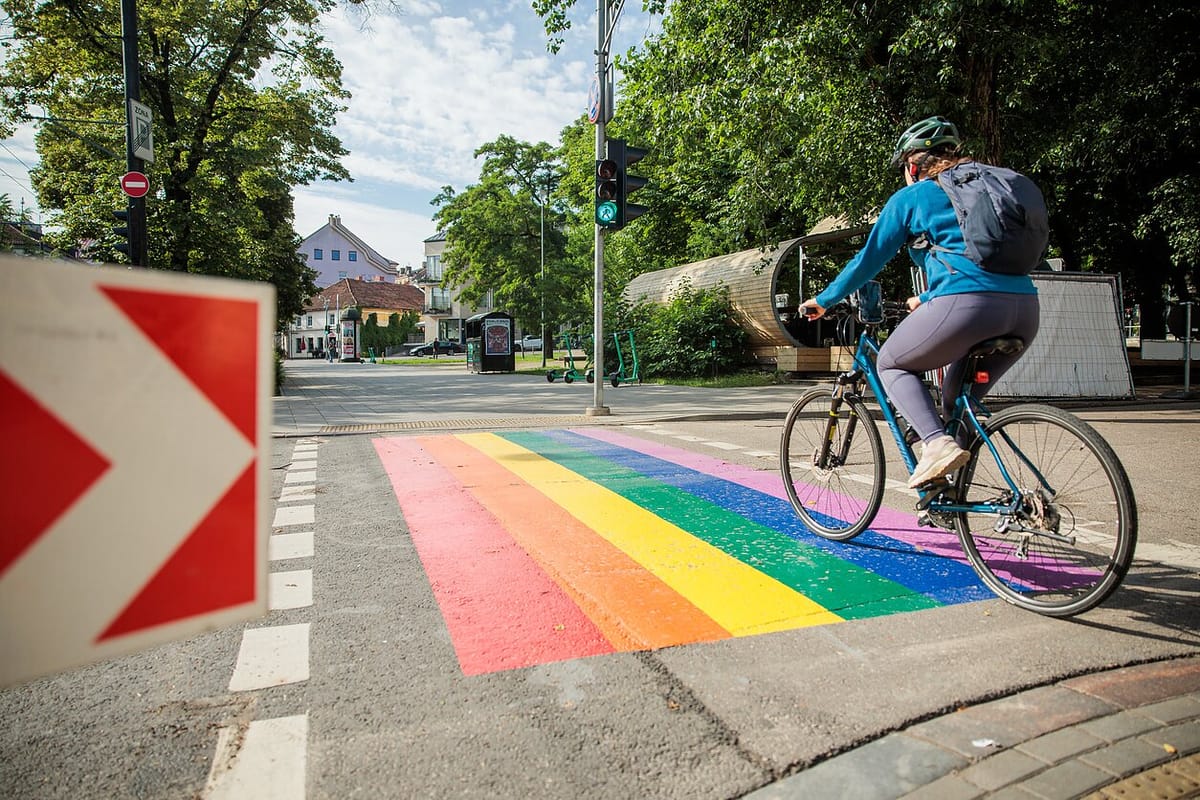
137 205
604 23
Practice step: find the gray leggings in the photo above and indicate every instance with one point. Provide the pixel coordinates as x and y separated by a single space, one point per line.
939 333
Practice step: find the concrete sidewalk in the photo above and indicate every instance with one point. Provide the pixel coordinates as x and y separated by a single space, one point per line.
320 397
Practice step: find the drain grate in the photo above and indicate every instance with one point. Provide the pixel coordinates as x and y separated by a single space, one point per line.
489 423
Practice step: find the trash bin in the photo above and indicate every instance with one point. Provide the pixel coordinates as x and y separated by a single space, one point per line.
490 342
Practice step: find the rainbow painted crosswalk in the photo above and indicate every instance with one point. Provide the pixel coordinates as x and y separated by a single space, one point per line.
550 545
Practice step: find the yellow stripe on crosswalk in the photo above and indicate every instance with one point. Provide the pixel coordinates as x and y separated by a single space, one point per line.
738 597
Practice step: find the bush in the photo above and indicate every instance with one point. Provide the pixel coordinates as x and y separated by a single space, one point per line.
695 335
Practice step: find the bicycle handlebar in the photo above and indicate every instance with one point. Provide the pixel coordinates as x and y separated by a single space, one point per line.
892 310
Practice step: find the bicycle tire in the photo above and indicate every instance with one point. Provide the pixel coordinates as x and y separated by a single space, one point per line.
1091 508
840 502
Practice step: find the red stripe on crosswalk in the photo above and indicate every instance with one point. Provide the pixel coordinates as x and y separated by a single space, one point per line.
502 610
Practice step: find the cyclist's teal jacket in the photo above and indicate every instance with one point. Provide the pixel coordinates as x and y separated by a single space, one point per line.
921 208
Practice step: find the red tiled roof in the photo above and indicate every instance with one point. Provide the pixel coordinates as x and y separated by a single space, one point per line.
368 294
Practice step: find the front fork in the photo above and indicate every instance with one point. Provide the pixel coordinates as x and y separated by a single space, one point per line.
827 458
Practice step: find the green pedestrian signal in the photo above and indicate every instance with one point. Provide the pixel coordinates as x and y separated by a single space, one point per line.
614 184
607 210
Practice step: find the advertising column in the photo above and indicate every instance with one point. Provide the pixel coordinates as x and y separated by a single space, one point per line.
349 337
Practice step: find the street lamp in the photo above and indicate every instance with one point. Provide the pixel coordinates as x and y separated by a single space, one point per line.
542 200
328 330
542 282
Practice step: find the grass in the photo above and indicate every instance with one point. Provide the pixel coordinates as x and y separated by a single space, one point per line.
531 364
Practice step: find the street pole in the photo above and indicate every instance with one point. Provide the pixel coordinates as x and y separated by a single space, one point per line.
1186 393
598 409
542 293
137 205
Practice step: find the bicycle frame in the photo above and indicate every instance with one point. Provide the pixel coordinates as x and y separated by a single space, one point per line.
967 411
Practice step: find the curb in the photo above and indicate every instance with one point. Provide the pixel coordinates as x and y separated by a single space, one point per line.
1064 740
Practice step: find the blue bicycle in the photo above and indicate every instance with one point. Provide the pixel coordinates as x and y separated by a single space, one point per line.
1044 510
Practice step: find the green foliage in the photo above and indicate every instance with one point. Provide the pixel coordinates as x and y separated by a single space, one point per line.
765 117
243 97
494 236
694 335
394 334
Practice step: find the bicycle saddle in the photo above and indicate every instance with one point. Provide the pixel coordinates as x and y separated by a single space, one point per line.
1000 344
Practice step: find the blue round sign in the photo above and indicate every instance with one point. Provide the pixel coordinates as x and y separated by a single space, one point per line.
594 102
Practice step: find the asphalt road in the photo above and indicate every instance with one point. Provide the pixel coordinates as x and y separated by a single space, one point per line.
387 704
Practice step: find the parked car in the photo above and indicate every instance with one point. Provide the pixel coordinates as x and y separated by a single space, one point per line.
531 342
444 347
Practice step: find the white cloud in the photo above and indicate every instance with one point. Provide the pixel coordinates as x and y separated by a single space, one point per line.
429 86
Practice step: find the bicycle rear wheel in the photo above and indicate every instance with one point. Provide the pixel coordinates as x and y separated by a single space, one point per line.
1072 541
836 490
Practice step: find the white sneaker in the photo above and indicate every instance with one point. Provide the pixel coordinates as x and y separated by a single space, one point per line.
938 459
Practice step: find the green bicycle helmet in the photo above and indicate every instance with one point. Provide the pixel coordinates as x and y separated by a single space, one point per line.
925 135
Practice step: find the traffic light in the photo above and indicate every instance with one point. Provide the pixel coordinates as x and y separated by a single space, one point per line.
123 232
627 184
607 190
614 184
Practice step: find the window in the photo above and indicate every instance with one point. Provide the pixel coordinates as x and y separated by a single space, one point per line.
309 321
433 268
299 322
318 254
342 274
352 255
333 319
335 255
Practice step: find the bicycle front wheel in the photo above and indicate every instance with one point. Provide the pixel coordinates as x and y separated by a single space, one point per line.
836 489
1071 540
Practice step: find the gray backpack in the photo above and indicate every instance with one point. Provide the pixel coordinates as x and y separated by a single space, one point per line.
1002 215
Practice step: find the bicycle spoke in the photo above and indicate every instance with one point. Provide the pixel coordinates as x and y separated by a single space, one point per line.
832 469
1071 540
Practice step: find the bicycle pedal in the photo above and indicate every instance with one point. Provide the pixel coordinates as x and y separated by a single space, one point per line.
931 491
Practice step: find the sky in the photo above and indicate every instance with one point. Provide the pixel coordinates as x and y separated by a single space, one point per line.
430 85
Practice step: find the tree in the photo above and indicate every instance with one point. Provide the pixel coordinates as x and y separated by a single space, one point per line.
494 234
1119 140
770 116
395 333
243 97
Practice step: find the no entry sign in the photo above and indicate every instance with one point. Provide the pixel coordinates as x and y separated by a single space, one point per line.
135 184
135 512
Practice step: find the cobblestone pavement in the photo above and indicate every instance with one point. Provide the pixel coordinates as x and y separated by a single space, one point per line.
1128 733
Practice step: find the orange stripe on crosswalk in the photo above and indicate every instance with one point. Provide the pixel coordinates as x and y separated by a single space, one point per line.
633 608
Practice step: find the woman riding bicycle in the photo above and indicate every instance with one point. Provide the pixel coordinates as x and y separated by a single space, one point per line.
963 304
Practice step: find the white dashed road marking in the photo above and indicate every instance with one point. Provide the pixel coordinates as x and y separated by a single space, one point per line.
291 589
284 546
270 761
271 657
291 494
294 515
